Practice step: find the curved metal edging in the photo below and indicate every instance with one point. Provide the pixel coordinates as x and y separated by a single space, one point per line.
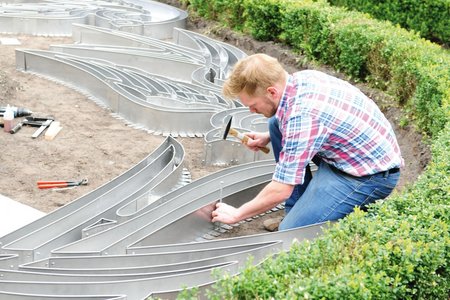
136 289
165 64
157 119
41 240
151 263
184 208
169 266
142 267
230 152
149 230
55 18
86 199
23 296
85 34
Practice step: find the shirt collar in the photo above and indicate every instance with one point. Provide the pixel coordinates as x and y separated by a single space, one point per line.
290 86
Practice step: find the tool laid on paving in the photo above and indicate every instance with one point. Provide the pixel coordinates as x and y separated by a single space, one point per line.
231 131
41 122
60 184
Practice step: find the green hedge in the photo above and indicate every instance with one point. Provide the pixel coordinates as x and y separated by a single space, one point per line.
414 70
400 248
431 18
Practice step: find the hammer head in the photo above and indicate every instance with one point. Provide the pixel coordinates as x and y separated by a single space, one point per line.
227 126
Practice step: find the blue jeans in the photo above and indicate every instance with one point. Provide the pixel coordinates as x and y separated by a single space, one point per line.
331 194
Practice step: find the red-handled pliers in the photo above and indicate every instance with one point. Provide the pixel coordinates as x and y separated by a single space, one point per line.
60 184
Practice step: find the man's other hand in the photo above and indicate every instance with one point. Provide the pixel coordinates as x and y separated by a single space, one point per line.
225 213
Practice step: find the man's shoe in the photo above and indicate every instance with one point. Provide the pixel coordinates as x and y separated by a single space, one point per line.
272 224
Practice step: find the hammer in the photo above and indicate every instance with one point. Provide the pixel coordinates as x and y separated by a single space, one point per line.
244 139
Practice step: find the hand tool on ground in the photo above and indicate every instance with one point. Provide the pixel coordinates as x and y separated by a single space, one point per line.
60 184
18 111
229 130
41 122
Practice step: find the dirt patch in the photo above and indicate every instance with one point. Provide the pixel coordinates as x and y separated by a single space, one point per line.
92 144
95 145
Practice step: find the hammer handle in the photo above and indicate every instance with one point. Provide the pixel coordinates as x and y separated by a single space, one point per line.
245 139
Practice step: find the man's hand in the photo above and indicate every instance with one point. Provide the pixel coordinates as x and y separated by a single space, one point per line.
225 213
271 195
257 140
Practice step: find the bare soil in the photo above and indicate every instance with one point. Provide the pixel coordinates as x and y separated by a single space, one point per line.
95 145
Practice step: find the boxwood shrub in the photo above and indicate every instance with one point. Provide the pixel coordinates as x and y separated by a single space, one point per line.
428 17
414 70
399 248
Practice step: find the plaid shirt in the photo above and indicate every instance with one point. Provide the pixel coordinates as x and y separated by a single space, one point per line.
325 116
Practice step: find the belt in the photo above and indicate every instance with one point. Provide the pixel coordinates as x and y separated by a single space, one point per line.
392 171
384 173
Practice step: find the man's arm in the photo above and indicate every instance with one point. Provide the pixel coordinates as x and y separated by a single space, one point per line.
273 194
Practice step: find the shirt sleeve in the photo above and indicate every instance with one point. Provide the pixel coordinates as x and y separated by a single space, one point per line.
303 136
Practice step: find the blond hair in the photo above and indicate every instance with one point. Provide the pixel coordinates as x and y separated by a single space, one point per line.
253 75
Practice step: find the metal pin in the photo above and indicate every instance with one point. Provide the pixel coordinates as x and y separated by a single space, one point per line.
221 191
218 224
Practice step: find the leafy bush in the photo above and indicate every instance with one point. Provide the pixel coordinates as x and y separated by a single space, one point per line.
228 12
414 70
399 249
264 19
307 28
428 17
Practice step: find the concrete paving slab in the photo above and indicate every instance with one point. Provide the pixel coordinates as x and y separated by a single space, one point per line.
14 215
9 41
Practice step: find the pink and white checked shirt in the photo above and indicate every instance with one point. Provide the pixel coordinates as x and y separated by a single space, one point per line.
322 115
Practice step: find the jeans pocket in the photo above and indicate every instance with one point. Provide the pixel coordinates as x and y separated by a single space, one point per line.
377 194
388 182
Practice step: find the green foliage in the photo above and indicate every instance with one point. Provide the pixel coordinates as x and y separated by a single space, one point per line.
202 8
428 17
188 294
369 50
356 39
232 13
413 70
307 28
263 19
229 12
399 249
